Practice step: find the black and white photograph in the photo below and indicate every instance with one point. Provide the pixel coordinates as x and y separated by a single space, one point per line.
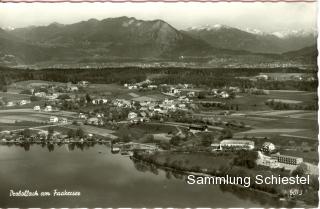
158 104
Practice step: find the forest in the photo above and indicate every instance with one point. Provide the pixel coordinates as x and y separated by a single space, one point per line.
199 77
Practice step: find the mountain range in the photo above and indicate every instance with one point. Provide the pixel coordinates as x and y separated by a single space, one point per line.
125 38
252 40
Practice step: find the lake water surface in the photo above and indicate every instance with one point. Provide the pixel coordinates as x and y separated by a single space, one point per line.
106 180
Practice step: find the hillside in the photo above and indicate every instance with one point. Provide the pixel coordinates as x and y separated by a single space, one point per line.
222 36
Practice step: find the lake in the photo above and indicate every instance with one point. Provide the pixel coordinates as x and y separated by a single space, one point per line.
106 180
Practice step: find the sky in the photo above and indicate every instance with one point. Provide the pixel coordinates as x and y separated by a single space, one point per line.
267 17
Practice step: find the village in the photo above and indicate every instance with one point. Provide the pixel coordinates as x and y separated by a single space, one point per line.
151 116
251 126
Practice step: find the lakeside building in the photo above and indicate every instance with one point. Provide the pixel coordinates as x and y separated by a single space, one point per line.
268 147
286 159
237 144
267 161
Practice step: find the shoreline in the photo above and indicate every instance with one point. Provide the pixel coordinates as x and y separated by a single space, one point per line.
298 203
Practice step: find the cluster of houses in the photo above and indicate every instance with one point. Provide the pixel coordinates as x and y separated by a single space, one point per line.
52 92
21 103
224 92
47 108
96 120
147 84
152 108
55 119
281 77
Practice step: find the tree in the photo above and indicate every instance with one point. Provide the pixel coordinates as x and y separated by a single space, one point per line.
71 133
300 170
202 95
226 134
26 133
88 98
175 141
80 133
207 139
50 132
246 159
34 98
64 96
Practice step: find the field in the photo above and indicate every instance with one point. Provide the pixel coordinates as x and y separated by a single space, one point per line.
17 87
283 123
283 76
13 118
257 102
119 92
192 160
139 132
14 97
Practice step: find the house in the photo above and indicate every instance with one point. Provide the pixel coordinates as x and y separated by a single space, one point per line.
36 108
99 101
182 106
234 89
52 96
224 94
137 120
48 108
191 94
10 104
197 128
82 115
53 119
152 86
174 90
99 115
63 120
95 121
73 88
83 83
237 144
40 94
268 147
262 77
132 115
23 102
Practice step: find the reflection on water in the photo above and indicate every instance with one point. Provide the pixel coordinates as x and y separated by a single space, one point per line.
106 180
241 192
50 146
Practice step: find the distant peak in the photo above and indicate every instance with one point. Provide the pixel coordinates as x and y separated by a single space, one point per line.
8 28
93 20
294 33
209 27
254 31
56 24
